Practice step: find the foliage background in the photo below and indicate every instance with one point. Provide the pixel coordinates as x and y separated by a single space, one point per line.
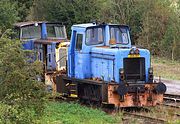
155 24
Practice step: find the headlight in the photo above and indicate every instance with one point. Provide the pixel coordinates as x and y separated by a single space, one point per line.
150 70
136 51
131 51
121 73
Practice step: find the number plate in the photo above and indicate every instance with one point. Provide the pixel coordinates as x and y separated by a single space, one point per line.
133 56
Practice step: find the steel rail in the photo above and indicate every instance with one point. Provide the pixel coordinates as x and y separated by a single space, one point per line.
145 117
177 96
170 105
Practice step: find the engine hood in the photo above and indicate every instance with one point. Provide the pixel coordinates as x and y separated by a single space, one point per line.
117 51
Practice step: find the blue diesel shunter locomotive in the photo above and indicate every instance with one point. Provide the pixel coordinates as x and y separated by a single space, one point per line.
104 67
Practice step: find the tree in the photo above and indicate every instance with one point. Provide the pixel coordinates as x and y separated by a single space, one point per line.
128 12
171 39
152 22
8 15
160 29
22 97
23 8
68 12
154 25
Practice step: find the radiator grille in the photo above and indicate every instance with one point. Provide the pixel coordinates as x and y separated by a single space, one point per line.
134 69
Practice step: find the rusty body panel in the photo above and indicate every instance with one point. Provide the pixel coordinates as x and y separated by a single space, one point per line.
103 47
107 92
49 41
148 98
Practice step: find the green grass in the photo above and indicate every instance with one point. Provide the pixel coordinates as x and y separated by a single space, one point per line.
73 113
166 68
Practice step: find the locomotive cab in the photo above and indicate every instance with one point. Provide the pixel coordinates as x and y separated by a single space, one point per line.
49 43
47 40
104 67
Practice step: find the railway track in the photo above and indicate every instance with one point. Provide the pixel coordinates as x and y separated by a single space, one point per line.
136 115
172 100
171 105
143 118
172 97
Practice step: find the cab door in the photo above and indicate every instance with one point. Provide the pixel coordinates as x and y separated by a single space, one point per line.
75 54
39 52
51 59
78 56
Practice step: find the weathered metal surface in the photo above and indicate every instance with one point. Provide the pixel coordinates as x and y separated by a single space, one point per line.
148 98
94 90
48 41
22 24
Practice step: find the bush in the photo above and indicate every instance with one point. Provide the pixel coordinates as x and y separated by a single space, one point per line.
20 92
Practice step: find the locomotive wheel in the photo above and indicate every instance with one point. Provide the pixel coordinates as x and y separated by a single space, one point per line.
90 103
90 94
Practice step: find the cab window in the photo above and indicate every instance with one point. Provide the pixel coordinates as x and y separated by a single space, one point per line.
79 40
55 31
31 32
119 34
94 36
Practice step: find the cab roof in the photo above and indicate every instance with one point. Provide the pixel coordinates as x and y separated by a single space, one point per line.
86 25
22 24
